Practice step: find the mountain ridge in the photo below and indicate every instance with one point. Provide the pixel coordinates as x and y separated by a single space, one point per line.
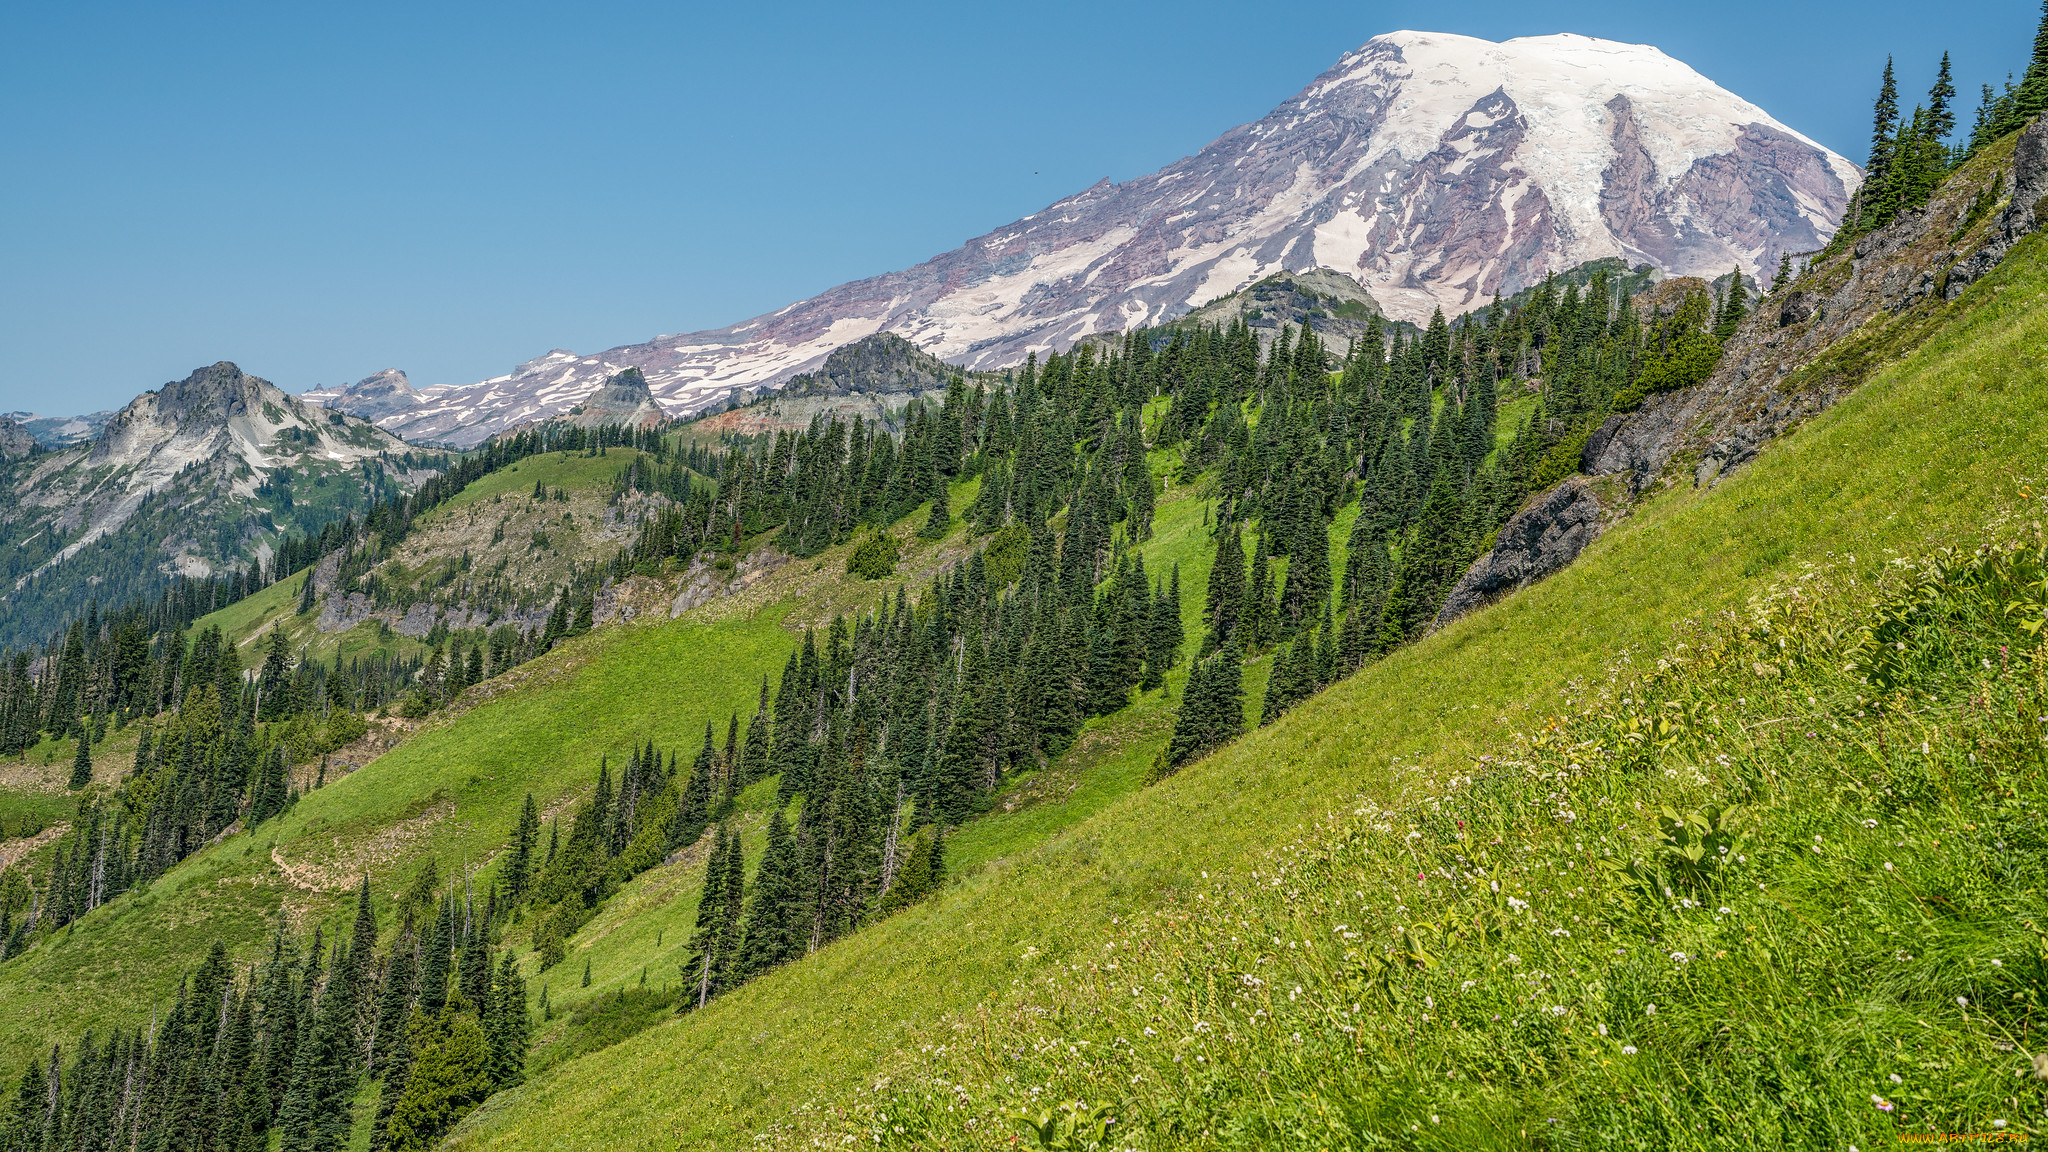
1439 170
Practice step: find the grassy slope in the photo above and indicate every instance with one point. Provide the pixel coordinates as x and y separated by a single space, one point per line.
1919 456
453 789
451 792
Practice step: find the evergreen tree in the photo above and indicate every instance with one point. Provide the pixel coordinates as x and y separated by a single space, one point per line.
770 933
1226 589
81 763
1876 201
450 1076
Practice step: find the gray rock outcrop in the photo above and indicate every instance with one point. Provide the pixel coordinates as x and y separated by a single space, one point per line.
2022 216
622 399
15 441
1543 537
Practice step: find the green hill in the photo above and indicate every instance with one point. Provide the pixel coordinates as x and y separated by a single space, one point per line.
1955 423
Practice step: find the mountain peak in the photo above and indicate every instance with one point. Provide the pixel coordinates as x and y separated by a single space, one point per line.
622 399
1436 170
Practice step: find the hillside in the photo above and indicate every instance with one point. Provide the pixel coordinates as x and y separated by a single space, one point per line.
1955 418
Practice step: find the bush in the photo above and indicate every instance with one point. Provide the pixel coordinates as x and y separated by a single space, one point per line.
343 728
874 557
1004 557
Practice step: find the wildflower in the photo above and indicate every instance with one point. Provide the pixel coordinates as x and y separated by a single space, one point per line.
1557 1009
1680 957
1998 1123
1603 1029
1628 1049
1559 932
1883 1104
1514 959
1727 911
1888 866
1896 1078
1468 983
1517 905
1962 1001
1870 823
1649 1009
1998 963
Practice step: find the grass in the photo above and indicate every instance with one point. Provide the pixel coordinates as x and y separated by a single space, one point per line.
1955 425
451 792
1525 955
570 470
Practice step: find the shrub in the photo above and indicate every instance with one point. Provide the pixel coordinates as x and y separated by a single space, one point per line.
874 557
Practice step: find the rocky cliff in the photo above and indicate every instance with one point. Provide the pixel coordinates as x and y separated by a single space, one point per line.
15 440
375 397
623 399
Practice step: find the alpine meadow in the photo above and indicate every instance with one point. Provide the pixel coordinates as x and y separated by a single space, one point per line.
1504 604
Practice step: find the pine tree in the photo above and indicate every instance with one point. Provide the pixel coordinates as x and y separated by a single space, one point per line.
81 763
450 1076
2031 98
769 936
507 1025
1226 589
519 862
1876 200
1734 306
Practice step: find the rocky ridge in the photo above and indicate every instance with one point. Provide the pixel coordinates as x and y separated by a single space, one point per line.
15 440
623 399
196 478
874 379
1332 303
1792 358
378 396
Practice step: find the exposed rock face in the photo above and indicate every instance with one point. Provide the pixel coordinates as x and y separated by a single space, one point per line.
621 400
1335 305
1547 534
192 479
15 441
884 363
2026 212
1435 170
376 397
1758 392
1700 434
874 379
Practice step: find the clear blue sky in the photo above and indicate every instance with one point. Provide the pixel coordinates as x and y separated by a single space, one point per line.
319 191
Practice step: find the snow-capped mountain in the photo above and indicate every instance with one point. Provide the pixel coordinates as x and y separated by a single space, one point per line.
1438 170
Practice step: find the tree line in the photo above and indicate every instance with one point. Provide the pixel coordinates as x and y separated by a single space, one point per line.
274 1055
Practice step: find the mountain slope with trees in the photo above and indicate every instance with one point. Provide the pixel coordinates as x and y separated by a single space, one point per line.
1191 559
